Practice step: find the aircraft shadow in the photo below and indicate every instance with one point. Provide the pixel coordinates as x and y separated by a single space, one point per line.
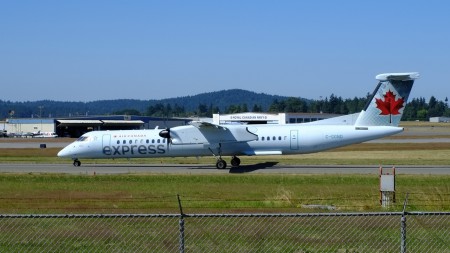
252 167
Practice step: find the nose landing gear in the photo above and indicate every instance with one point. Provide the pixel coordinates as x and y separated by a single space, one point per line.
76 163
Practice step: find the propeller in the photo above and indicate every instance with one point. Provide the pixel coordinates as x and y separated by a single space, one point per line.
166 134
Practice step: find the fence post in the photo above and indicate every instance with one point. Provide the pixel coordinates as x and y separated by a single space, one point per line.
403 231
181 225
403 227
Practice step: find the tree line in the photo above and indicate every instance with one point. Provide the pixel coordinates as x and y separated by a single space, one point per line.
207 104
416 109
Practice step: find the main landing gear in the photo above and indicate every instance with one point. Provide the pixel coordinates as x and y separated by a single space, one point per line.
221 164
76 163
235 161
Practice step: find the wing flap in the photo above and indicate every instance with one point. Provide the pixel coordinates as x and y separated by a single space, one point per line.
202 124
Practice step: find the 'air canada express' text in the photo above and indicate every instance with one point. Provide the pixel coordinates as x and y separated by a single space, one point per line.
124 150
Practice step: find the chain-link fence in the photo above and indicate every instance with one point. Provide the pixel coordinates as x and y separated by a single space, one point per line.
315 232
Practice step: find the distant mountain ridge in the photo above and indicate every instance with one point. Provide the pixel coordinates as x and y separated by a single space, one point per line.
222 99
49 108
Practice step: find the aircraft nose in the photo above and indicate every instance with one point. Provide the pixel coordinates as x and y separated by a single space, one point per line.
62 153
65 152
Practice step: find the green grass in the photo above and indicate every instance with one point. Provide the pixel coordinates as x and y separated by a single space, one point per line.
227 193
230 193
212 193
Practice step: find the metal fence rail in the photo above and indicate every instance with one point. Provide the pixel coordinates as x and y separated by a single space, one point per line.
317 232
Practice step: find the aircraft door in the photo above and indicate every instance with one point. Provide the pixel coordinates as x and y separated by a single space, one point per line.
106 140
294 139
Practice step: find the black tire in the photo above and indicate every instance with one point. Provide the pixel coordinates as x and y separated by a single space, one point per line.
221 165
76 163
235 161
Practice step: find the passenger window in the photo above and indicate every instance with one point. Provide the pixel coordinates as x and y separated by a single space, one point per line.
279 138
130 141
164 140
147 141
268 138
262 138
118 142
124 141
158 141
274 138
153 141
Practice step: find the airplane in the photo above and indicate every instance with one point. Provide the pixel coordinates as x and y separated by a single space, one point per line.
379 118
40 134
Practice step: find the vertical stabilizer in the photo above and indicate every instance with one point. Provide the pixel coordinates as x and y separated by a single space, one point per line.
385 107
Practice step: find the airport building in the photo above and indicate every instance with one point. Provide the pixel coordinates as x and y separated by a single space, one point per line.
439 119
75 127
269 118
32 125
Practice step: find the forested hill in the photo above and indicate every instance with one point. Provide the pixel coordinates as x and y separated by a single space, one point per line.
205 104
219 100
222 99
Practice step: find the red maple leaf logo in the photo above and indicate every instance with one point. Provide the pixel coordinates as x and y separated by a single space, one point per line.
389 106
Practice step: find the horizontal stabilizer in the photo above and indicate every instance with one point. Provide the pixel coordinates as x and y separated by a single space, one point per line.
397 76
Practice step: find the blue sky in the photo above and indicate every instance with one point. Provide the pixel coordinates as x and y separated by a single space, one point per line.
95 50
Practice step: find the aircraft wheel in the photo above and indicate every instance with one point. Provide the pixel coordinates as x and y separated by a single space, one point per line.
221 165
76 163
235 161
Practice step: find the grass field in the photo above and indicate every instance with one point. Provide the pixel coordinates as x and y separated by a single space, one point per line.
50 193
224 193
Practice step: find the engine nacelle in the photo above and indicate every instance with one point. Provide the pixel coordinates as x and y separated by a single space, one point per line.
165 133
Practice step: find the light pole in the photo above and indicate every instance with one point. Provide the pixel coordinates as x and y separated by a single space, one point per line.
40 110
40 115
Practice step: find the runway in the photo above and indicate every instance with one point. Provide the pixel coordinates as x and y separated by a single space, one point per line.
263 168
62 144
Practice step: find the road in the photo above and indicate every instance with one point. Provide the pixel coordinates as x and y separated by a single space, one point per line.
263 168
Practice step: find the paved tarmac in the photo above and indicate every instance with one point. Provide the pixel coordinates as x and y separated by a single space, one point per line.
33 144
263 168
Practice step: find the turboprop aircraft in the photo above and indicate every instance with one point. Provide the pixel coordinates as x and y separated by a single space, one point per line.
378 119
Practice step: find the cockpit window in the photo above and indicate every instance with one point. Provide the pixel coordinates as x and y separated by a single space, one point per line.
84 138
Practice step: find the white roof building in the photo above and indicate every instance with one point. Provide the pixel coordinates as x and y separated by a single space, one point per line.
269 118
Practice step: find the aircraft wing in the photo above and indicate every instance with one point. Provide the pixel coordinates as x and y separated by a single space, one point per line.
207 133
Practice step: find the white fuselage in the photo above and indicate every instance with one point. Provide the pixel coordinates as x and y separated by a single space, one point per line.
271 140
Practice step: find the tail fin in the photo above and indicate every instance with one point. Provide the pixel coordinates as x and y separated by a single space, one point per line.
386 105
